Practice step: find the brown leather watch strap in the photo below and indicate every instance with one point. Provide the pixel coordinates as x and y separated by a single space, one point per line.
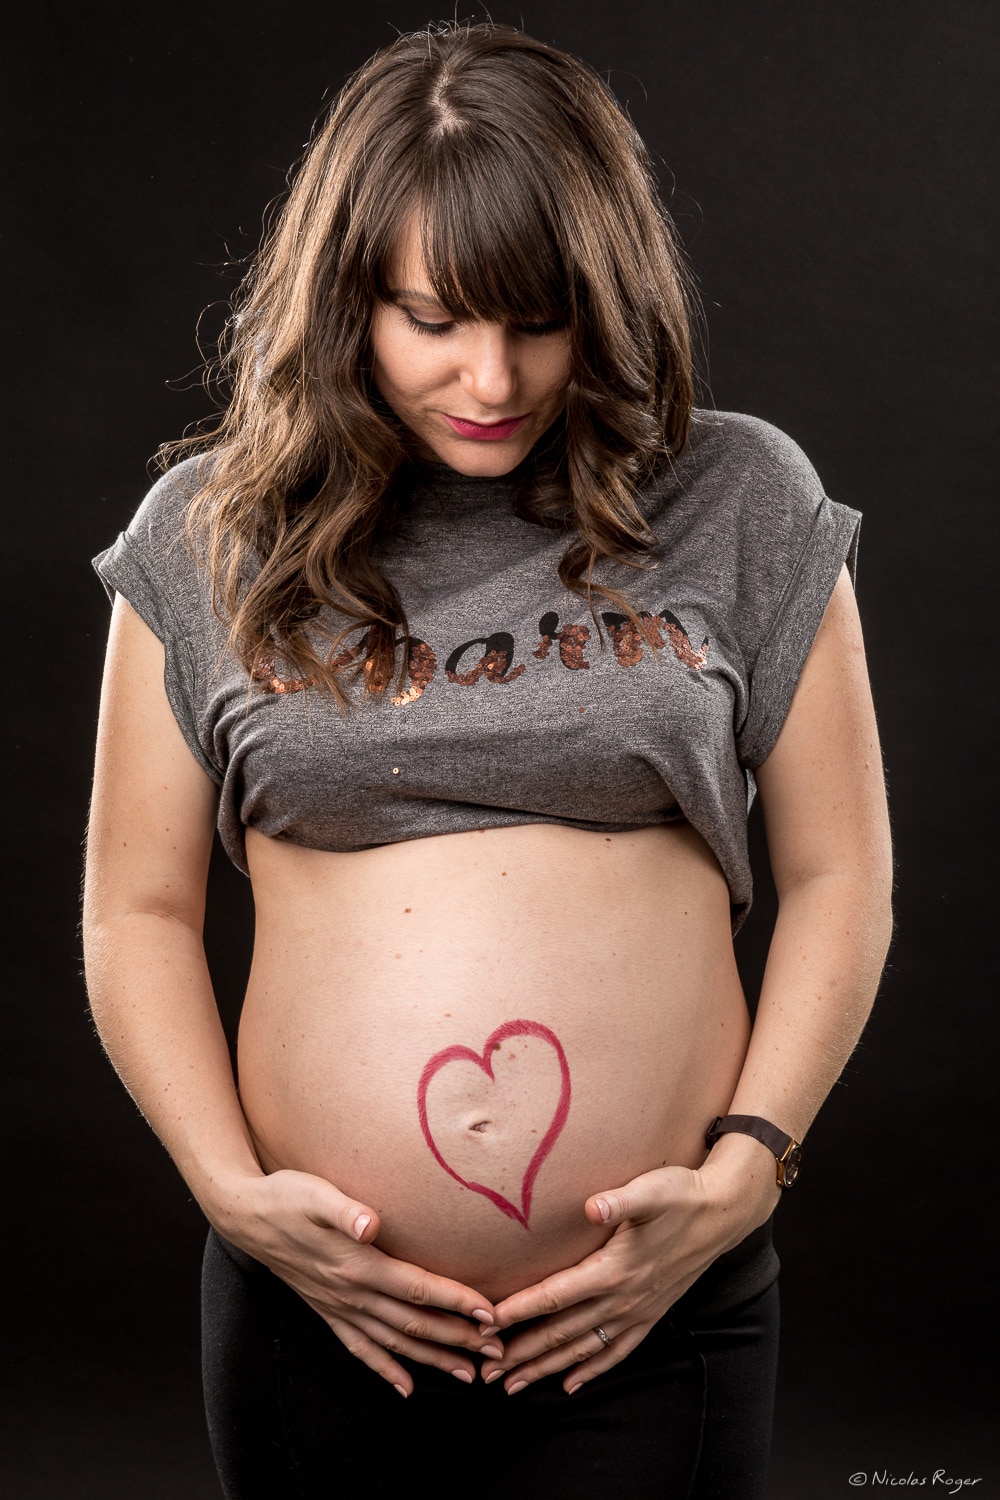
786 1149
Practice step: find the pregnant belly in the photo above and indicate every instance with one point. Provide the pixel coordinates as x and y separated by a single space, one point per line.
436 1032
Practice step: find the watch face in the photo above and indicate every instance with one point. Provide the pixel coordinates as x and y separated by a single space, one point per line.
793 1163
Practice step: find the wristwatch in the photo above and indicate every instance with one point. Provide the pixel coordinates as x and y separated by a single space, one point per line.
787 1151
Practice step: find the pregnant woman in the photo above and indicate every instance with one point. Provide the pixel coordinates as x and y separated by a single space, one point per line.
475 639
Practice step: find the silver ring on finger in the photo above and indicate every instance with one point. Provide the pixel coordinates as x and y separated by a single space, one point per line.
603 1337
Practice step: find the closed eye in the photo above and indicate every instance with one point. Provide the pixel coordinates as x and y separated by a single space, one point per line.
436 329
419 326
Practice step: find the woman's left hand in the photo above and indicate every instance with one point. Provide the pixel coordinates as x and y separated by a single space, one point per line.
669 1225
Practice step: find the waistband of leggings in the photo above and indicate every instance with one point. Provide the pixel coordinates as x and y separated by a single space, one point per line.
243 1260
743 1272
737 1276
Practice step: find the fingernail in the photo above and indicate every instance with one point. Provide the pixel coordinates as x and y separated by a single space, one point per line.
361 1223
462 1375
493 1375
519 1385
574 1388
493 1350
401 1391
481 1316
605 1209
487 1333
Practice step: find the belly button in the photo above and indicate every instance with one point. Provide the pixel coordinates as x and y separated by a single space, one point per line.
480 1126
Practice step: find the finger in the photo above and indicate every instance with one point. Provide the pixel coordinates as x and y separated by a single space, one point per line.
332 1209
578 1284
574 1356
557 1333
374 1355
392 1342
429 1325
639 1200
421 1288
586 1371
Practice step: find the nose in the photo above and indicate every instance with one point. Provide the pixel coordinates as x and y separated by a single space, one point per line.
489 365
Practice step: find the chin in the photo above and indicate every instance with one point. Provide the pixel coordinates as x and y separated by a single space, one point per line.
483 460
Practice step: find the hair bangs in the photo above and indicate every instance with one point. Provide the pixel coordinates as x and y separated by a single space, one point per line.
490 248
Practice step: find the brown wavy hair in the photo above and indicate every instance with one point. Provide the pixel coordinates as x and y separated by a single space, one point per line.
536 200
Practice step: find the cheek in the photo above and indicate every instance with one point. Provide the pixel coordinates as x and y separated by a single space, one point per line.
556 390
554 373
402 370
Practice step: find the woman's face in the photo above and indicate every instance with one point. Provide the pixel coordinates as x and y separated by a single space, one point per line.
477 396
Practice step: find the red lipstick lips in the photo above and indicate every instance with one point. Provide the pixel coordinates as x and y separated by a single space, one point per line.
492 432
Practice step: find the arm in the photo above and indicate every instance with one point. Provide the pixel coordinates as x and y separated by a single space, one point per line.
827 824
828 835
150 837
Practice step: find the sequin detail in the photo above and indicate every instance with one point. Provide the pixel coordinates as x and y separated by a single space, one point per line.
665 628
492 665
682 648
264 673
423 665
349 654
571 639
627 640
377 681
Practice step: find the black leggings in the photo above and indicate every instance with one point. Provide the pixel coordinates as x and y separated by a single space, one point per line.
293 1416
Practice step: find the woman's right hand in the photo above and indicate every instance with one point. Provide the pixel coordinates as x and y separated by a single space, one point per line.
320 1242
149 843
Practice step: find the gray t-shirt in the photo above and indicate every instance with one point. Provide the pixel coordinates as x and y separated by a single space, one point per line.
513 712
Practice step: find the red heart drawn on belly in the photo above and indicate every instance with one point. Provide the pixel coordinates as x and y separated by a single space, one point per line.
484 1062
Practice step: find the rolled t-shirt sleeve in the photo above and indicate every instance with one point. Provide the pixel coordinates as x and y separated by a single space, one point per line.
152 567
796 547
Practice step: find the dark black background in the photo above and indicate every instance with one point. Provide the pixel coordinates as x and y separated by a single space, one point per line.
830 173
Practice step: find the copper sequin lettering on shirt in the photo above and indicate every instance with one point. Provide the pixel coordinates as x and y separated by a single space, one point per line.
493 663
626 640
377 681
423 665
470 678
359 652
345 657
684 651
654 624
572 639
264 673
680 642
496 663
548 627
